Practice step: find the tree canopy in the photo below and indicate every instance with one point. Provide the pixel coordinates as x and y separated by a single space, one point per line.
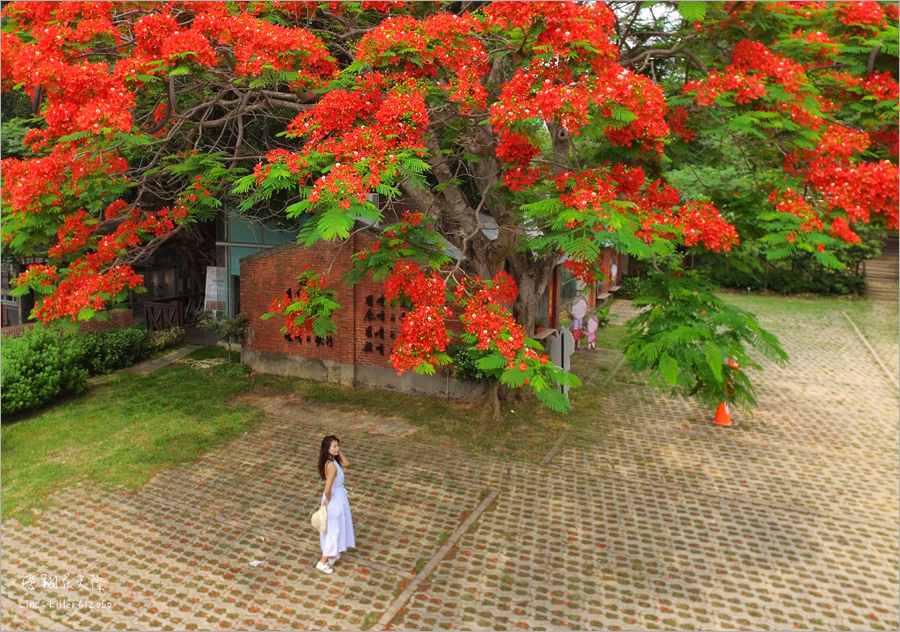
554 122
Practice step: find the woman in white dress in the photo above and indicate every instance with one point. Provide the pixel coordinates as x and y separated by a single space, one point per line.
338 536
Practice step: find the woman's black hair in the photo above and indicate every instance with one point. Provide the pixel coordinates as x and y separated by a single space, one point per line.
324 456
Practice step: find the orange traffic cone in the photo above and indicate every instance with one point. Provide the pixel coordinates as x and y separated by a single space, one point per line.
723 415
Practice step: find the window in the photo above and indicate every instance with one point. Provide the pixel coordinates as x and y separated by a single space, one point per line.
568 287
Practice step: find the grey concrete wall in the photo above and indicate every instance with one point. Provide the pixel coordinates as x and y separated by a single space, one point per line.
348 375
411 382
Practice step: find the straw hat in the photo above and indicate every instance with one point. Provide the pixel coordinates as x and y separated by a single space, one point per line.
319 520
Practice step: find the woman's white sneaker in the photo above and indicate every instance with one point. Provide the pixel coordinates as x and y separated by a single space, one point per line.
332 560
325 568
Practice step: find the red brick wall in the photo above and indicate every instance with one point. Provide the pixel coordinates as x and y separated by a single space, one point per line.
118 318
366 330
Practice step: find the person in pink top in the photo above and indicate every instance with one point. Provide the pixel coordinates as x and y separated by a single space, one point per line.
578 310
592 325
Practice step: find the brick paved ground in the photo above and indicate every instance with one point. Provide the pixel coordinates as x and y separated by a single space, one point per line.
654 518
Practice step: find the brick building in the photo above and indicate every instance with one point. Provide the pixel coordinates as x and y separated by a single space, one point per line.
358 354
112 319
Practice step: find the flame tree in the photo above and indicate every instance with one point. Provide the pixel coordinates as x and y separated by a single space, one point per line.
558 121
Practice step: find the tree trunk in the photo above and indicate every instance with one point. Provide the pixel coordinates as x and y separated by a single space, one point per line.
493 400
532 276
489 392
474 395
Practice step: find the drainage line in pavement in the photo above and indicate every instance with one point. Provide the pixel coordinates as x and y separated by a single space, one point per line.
613 372
433 562
877 358
549 456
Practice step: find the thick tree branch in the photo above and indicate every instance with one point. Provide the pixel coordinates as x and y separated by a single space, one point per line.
641 61
870 65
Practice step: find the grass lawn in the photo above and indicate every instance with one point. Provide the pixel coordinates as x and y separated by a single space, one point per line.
120 433
128 427
610 337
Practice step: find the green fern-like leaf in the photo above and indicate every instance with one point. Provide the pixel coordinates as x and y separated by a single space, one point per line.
491 362
554 400
669 368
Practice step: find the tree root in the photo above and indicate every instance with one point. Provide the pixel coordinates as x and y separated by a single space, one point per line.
486 394
473 396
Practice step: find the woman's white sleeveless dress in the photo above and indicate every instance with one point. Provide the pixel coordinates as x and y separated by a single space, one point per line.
338 537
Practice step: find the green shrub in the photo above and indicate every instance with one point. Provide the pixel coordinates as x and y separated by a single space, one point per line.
158 340
788 281
104 351
602 317
687 337
227 329
632 287
231 370
839 283
37 368
738 279
464 367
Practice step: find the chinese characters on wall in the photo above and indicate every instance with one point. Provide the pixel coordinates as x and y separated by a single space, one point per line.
381 328
376 320
328 341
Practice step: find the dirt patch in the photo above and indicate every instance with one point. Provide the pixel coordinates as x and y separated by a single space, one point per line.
289 405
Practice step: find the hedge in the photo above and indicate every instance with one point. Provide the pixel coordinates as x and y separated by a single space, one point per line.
43 364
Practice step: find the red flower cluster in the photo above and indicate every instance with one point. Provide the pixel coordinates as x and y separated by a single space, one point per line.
296 323
567 29
594 193
858 189
516 151
37 274
82 95
73 234
31 185
642 97
407 280
553 92
160 37
586 190
443 47
746 88
882 86
861 13
362 131
516 148
81 288
750 56
411 231
702 222
486 318
677 120
819 42
424 331
424 334
841 230
301 310
85 92
580 270
789 201
752 67
343 185
845 189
